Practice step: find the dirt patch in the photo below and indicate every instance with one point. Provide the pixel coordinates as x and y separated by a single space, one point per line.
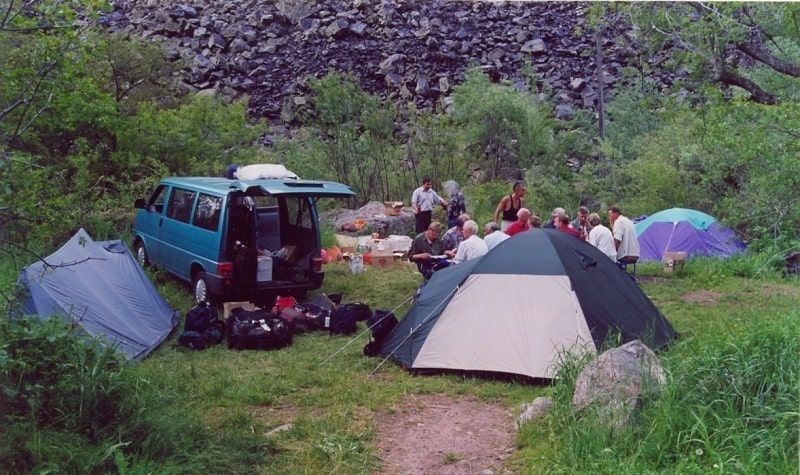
434 434
702 297
786 290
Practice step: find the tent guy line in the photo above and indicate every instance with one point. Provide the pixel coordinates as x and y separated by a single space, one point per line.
414 329
357 337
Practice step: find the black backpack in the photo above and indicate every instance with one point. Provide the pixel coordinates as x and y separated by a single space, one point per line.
200 318
202 328
342 321
361 310
381 323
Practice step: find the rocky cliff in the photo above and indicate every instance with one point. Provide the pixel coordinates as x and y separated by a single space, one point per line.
405 50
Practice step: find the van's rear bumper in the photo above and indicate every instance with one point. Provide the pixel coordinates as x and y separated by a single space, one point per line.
226 288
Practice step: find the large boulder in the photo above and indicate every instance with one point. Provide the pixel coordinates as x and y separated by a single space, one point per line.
370 218
617 381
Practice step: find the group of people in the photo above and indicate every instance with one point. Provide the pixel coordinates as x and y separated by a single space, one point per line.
461 242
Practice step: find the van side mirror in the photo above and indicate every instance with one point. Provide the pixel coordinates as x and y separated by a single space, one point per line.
139 203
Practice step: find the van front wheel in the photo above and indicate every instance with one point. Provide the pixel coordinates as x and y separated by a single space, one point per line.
141 254
201 292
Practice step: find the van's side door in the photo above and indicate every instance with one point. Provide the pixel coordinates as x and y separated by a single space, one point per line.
149 223
176 232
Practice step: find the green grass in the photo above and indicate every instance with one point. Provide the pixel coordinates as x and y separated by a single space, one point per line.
731 404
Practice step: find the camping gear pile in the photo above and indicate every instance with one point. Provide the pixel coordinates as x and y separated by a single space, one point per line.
261 329
521 308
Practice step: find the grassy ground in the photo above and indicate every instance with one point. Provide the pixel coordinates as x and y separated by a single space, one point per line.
730 405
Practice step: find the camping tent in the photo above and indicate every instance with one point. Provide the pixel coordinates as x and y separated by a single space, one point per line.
100 286
684 230
515 310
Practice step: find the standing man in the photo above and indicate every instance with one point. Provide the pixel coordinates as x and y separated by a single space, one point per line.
582 224
510 205
624 236
422 201
473 246
457 205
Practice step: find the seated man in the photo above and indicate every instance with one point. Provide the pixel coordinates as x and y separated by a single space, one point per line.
562 224
426 248
472 247
455 235
521 224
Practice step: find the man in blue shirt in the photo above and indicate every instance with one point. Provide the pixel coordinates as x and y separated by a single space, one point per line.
423 200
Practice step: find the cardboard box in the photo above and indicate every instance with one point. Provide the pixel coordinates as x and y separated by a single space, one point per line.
228 306
264 269
382 254
393 207
674 261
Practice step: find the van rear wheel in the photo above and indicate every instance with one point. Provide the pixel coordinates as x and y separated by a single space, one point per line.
201 292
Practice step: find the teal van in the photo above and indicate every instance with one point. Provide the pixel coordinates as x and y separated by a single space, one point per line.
235 240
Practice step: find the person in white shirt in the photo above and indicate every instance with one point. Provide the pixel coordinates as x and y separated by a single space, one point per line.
472 247
601 237
493 235
624 236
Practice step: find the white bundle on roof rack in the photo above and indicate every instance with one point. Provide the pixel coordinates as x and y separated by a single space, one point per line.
263 170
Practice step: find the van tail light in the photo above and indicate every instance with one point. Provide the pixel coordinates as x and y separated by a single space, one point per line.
225 269
316 262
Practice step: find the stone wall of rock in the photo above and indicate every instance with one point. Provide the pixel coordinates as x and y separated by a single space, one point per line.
406 50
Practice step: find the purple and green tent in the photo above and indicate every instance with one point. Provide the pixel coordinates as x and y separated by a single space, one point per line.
685 230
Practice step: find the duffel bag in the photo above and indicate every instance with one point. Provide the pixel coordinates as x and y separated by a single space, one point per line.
257 330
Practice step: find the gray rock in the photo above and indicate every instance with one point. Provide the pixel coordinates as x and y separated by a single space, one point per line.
289 40
374 213
534 410
615 383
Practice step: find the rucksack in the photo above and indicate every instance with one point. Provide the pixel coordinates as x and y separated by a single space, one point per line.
361 310
342 321
200 318
202 340
202 328
380 323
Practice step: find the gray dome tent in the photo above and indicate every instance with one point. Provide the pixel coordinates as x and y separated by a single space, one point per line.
515 309
102 289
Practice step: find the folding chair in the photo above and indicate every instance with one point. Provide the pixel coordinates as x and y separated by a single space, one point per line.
625 262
